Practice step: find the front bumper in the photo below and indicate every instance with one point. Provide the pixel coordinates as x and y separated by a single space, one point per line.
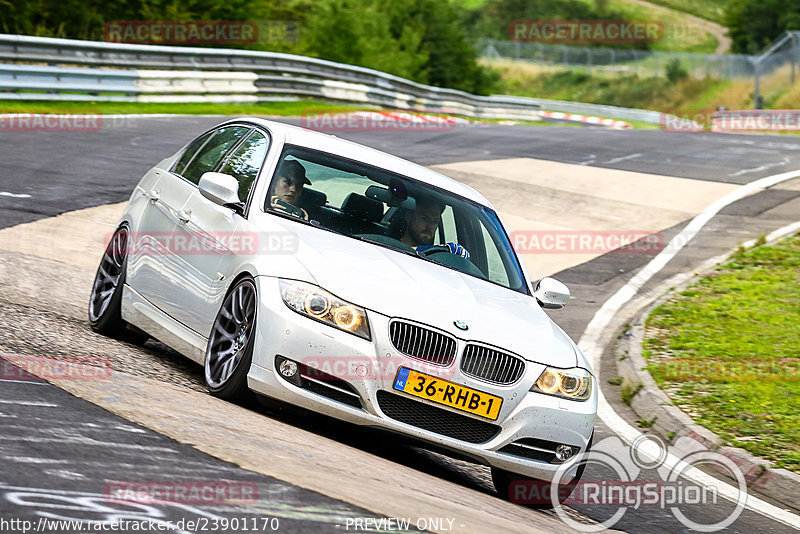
369 367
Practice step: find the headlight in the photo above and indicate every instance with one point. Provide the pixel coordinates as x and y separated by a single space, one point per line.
573 384
316 303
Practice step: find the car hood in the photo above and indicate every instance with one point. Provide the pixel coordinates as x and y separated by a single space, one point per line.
398 285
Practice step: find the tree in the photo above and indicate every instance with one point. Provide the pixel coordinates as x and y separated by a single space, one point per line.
423 40
754 24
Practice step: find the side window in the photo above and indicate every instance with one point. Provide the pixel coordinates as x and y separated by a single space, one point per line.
208 157
190 151
245 163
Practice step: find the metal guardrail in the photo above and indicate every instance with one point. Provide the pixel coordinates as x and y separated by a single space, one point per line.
186 74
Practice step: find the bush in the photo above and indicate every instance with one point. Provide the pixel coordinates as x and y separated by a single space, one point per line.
675 71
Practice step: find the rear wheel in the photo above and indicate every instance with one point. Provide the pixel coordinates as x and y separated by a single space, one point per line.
230 345
105 301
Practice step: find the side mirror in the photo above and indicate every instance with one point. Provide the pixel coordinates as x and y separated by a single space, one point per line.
550 293
219 188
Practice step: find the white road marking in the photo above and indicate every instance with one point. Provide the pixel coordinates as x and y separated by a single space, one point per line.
621 158
130 429
30 403
31 460
88 441
62 473
590 342
14 195
34 382
741 172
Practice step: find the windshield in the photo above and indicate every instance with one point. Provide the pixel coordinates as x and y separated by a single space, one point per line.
390 210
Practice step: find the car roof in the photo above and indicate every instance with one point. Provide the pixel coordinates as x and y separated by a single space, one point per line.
330 143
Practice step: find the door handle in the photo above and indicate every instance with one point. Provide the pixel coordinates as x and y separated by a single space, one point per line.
184 216
153 195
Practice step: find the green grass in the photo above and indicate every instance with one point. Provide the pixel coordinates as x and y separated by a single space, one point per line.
629 391
626 90
713 10
283 109
646 423
736 330
297 108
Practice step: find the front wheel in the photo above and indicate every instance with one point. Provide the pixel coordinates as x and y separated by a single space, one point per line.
230 345
105 301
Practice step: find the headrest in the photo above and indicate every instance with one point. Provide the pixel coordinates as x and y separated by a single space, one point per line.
361 207
310 198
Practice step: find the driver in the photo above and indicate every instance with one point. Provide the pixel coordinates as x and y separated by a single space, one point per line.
421 224
287 188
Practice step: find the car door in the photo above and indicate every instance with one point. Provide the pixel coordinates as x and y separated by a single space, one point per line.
166 192
178 288
211 231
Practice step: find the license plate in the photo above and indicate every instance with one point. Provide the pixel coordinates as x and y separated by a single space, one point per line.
447 393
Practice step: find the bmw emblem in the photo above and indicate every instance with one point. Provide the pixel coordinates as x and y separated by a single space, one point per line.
461 325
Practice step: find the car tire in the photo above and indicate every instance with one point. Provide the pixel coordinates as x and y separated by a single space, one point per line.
105 300
503 480
229 352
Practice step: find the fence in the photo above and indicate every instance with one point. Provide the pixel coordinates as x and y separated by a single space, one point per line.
629 60
779 64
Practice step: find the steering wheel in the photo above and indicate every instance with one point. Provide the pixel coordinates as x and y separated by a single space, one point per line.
433 250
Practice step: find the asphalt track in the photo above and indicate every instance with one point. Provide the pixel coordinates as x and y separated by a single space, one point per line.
63 172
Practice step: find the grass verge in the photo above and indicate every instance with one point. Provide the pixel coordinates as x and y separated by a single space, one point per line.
283 109
727 351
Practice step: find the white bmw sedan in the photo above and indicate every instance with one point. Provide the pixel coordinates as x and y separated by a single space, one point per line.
331 276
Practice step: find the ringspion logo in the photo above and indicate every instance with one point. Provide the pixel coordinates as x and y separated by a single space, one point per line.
626 479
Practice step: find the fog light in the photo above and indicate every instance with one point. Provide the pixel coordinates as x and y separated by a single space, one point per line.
564 453
288 369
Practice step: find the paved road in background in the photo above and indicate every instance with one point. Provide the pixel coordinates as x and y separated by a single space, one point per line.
64 171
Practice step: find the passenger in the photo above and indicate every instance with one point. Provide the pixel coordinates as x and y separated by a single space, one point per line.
287 188
421 225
